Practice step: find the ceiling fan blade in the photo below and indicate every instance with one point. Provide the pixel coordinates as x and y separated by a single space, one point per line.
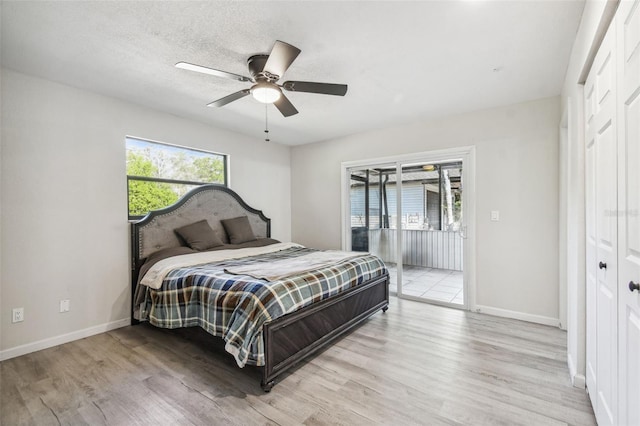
311 87
281 57
285 106
230 98
211 71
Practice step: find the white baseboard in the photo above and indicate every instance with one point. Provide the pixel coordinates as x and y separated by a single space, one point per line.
505 313
64 338
579 381
572 366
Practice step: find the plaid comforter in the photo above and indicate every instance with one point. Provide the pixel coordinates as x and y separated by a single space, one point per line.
235 307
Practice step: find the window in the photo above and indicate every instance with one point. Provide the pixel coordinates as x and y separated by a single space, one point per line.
159 174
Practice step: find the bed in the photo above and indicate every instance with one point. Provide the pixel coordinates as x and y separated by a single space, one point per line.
274 303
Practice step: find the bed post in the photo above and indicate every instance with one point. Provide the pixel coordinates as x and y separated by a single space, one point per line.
135 267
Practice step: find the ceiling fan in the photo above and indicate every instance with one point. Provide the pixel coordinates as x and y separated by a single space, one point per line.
265 72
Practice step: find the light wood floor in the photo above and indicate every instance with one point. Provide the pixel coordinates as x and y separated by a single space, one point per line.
415 364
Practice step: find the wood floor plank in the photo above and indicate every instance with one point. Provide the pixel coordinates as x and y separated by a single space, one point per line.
415 364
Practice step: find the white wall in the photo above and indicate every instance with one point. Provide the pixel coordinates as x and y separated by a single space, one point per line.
595 19
64 203
516 173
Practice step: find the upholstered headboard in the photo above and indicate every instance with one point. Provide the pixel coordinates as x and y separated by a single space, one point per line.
211 202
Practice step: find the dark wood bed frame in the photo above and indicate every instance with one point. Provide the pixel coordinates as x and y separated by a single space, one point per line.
289 339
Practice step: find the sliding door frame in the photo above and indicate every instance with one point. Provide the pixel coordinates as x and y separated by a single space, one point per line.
467 155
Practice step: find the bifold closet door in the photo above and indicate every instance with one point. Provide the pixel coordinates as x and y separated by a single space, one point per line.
602 299
628 46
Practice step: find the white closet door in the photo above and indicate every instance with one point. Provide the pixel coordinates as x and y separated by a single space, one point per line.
628 28
602 153
590 107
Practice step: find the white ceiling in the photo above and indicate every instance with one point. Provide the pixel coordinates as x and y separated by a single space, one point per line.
403 61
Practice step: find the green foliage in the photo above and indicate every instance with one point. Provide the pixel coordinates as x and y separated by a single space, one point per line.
208 169
147 196
139 165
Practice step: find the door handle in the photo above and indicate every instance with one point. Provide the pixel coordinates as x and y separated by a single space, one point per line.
633 286
602 265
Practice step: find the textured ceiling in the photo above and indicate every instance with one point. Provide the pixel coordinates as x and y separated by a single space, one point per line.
403 61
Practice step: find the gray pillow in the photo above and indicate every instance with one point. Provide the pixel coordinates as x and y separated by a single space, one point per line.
199 235
238 230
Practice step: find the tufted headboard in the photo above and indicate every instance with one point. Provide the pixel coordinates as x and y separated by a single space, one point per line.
211 202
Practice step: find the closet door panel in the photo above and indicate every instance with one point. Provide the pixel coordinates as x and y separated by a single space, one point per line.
606 294
602 300
591 272
628 27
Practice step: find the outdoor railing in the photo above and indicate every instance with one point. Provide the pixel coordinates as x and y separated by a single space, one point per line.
431 249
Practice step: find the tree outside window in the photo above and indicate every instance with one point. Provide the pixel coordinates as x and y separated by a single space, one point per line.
159 174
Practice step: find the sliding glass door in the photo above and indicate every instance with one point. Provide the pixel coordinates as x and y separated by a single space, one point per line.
410 214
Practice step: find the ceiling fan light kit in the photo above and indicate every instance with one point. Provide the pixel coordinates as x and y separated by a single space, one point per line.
265 72
264 92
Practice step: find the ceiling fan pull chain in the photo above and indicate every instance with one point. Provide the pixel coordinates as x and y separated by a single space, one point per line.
266 123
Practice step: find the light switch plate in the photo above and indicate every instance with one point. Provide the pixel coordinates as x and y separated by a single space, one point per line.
495 215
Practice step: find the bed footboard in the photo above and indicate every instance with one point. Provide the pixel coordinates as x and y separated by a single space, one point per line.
290 339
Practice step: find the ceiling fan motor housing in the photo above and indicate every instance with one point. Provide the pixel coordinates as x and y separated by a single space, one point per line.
256 68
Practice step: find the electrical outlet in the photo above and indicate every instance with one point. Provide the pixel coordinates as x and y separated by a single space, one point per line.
65 305
18 315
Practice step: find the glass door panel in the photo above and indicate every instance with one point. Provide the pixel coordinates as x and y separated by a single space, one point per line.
370 216
431 241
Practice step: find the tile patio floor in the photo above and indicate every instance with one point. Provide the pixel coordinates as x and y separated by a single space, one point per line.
429 283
